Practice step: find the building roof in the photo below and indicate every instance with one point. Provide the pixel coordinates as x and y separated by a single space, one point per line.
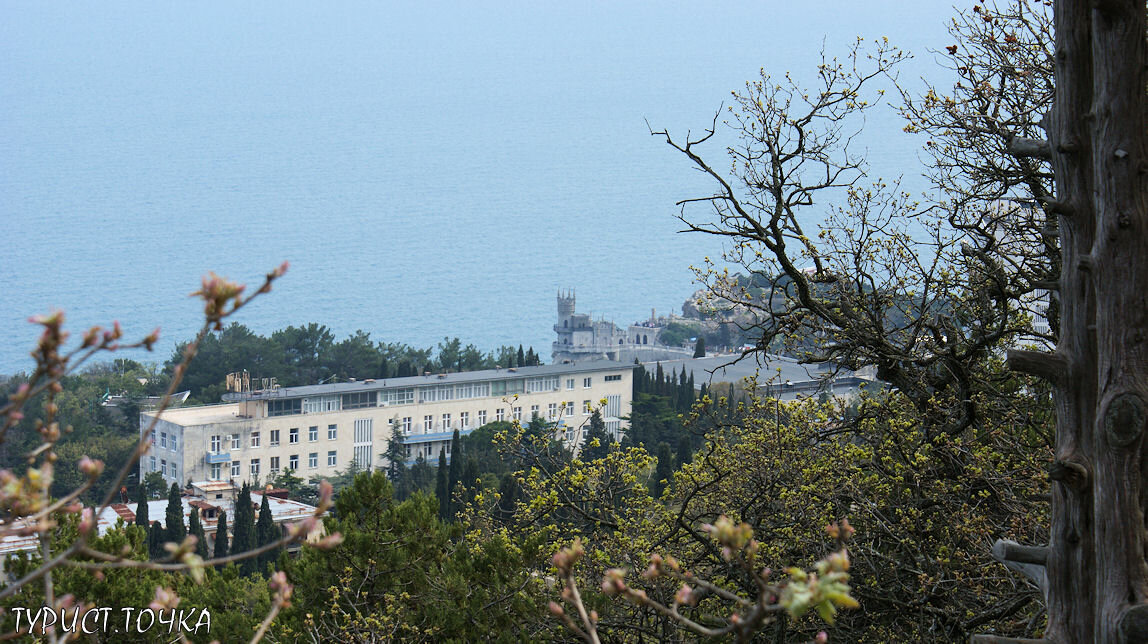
282 510
433 379
773 370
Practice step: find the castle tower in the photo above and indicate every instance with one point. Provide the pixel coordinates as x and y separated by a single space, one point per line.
565 305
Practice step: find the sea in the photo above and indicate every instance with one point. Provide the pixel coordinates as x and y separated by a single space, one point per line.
428 169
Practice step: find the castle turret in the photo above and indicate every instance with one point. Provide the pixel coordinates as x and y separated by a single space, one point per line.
565 305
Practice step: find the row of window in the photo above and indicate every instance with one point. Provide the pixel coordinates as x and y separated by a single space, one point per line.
404 396
171 443
445 422
256 438
255 466
165 468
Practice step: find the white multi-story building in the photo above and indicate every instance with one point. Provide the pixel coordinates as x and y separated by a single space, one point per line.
317 430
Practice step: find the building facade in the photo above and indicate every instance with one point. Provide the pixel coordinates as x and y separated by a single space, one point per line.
318 430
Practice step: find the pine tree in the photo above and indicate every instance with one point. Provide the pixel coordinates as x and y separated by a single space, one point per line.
396 470
221 549
265 533
176 530
597 430
195 528
141 506
441 490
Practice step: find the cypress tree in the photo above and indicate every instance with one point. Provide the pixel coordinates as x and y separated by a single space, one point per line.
243 531
141 507
521 357
700 347
455 472
155 536
221 549
470 477
665 469
173 518
441 490
685 449
507 498
195 527
265 533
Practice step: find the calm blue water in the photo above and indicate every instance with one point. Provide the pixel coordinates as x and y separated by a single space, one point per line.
429 171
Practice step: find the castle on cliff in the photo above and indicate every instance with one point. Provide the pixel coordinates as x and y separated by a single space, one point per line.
581 338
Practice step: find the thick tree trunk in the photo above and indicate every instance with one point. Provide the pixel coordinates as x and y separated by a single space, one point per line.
1097 573
1071 544
1120 196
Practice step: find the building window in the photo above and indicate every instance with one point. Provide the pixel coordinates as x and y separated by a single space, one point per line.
518 413
500 414
163 440
313 433
552 411
533 412
274 464
570 408
293 435
613 378
216 442
235 441
464 419
254 467
586 383
446 422
275 438
173 444
360 400
216 471
236 469
481 417
332 432
587 408
332 461
174 472
284 407
313 460
163 466
406 424
428 423
293 462
569 384
255 439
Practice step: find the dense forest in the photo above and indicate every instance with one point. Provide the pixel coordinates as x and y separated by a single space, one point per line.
899 514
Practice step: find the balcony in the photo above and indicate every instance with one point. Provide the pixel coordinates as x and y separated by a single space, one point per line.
411 439
212 459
